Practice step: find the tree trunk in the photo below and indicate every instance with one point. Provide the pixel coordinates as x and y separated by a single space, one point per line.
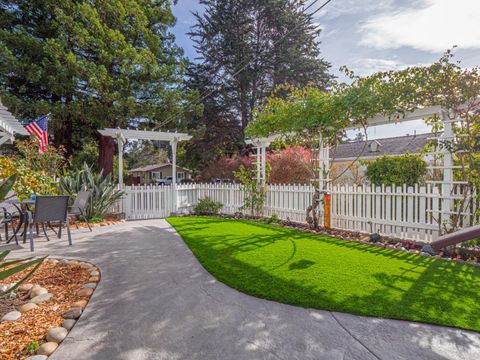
62 135
312 215
107 149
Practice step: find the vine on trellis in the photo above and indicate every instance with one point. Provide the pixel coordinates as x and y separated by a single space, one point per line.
309 111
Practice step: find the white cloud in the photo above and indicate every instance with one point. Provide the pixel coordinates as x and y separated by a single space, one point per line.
368 66
343 7
436 26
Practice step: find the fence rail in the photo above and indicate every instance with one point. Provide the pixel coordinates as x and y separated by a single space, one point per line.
405 212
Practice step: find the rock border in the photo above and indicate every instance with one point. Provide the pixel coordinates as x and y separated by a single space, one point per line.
38 295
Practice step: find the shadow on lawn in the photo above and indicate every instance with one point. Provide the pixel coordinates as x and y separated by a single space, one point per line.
441 292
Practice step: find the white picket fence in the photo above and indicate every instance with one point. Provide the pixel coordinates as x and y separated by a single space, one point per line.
400 211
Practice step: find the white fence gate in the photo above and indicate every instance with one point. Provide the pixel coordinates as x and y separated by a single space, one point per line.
400 211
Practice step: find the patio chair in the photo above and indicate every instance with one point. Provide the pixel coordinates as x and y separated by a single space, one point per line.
79 206
10 209
49 209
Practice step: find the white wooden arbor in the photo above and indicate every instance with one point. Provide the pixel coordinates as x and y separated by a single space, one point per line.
122 135
9 126
261 145
447 182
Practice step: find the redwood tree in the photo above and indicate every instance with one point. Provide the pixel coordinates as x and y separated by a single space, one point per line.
91 64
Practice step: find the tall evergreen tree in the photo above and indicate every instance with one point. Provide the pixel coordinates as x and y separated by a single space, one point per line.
91 64
216 131
247 47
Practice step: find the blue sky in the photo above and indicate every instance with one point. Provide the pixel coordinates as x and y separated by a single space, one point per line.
378 35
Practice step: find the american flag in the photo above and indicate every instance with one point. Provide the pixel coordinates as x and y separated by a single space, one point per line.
39 128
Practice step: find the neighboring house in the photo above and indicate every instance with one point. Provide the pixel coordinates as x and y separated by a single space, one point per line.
354 151
151 174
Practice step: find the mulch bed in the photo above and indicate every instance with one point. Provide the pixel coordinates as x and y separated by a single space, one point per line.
109 220
61 280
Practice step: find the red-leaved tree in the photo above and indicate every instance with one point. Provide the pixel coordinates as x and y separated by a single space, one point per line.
224 167
290 166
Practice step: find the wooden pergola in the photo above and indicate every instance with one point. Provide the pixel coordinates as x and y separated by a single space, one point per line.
122 135
9 126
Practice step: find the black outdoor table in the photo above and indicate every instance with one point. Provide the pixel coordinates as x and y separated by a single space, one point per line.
27 203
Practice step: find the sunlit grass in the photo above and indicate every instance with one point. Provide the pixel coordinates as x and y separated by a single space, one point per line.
327 273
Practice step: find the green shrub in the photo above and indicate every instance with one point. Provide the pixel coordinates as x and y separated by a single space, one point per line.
103 190
32 347
273 219
206 206
396 170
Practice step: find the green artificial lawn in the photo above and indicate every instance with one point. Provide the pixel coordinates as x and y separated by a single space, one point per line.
332 274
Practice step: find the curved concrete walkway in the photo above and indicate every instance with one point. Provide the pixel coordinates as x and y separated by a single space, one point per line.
155 301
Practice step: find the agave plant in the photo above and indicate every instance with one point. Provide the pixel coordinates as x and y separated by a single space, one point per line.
103 190
9 268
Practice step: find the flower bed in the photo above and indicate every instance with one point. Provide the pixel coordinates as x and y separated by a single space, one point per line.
45 308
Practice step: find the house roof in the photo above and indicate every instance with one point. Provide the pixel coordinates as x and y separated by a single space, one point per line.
410 144
155 167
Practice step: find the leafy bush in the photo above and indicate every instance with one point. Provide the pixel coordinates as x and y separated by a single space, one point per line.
88 154
206 206
103 190
253 193
49 162
28 181
273 219
396 170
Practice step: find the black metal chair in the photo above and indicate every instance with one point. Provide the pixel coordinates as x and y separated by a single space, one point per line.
12 215
78 209
49 209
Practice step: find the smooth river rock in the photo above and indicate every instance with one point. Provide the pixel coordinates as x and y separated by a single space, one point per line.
37 290
91 285
25 287
73 313
68 324
57 334
41 298
80 303
37 357
47 348
11 316
27 307
85 292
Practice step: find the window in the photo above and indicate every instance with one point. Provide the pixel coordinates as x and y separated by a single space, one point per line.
156 175
180 175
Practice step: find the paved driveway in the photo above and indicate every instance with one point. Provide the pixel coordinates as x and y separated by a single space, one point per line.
155 301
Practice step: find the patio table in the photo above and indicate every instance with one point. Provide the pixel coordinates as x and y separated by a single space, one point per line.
27 203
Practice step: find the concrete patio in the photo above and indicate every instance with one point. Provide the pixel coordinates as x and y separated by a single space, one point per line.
155 301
